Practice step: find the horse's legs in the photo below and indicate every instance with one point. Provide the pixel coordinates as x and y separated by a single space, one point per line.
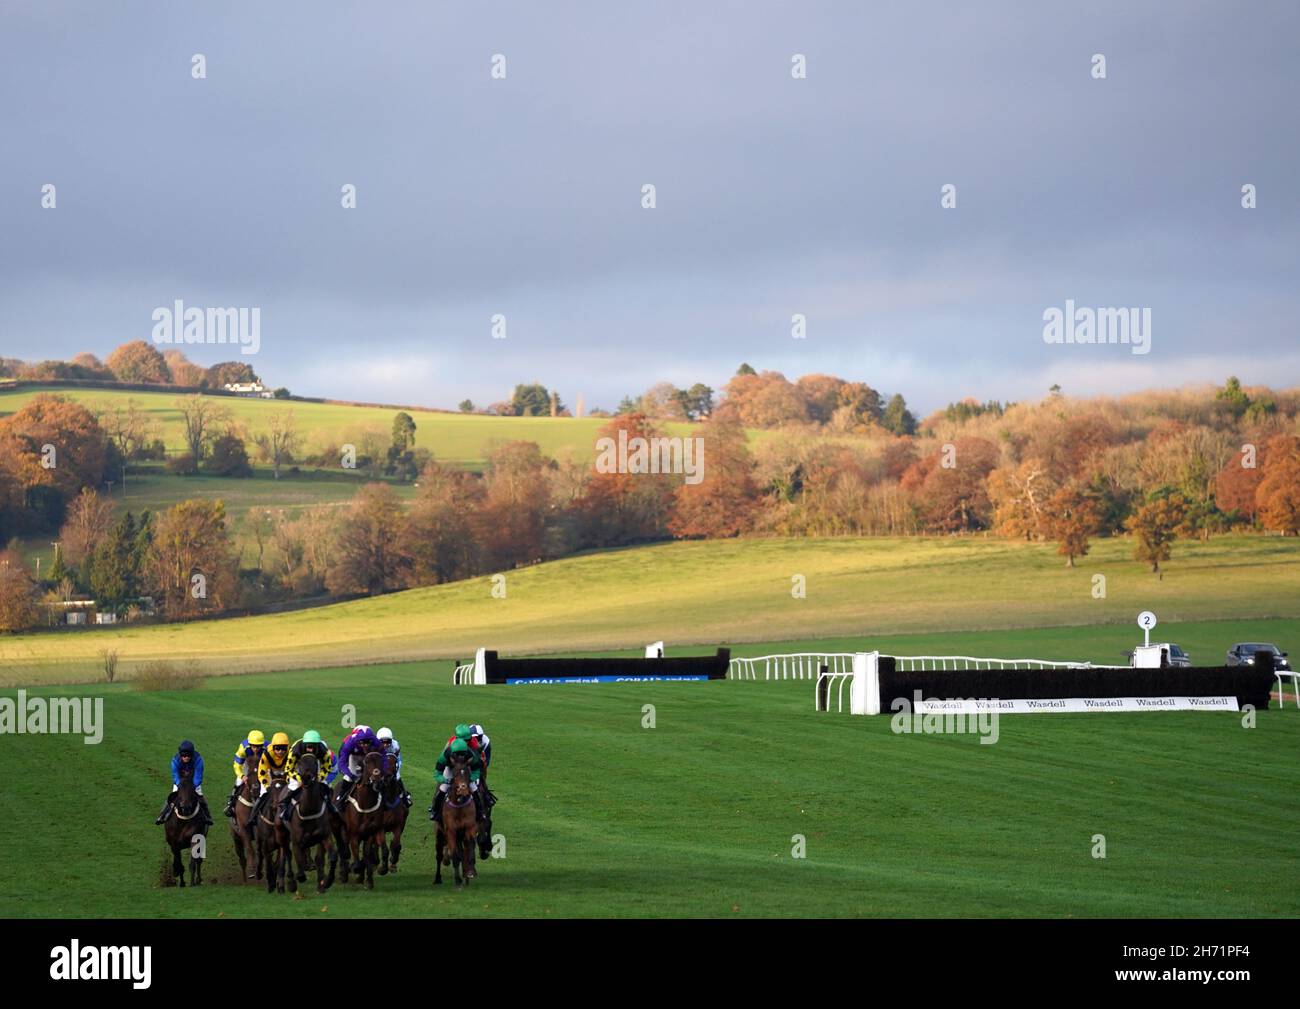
383 852
440 845
470 871
334 860
397 846
372 856
178 870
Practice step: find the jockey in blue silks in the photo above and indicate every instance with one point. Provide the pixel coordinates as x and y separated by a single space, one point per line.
186 760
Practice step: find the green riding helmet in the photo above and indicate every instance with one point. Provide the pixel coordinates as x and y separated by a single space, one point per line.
463 731
459 746
311 736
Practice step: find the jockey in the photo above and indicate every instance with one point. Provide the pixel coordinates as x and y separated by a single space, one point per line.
312 743
275 760
352 752
387 744
186 757
456 745
479 739
249 750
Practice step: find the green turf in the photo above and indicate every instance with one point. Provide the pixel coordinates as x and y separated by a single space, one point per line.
697 815
732 591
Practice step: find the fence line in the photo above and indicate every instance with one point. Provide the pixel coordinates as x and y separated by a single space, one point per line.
463 675
792 666
913 663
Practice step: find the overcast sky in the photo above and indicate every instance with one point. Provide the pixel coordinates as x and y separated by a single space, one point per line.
775 196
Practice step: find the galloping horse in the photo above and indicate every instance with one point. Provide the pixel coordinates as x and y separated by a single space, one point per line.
459 827
361 818
184 823
307 826
268 844
241 824
394 820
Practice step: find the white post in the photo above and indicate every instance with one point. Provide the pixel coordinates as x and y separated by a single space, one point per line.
655 651
864 694
480 667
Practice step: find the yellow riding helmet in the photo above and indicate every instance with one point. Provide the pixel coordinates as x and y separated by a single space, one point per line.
280 739
255 738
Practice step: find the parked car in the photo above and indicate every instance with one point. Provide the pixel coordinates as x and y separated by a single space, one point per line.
1153 656
1243 654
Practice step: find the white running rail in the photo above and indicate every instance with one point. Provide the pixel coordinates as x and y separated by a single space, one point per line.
463 675
836 683
794 666
912 663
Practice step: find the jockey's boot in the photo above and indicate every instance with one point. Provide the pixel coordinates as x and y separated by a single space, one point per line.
480 811
284 811
435 811
166 812
407 797
203 808
230 803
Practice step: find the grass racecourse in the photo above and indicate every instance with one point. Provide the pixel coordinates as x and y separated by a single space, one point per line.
701 814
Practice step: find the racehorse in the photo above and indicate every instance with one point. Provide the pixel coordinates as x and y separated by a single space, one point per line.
268 844
459 827
394 820
307 826
185 823
361 818
241 824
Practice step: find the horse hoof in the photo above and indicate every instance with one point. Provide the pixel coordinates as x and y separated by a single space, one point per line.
302 877
383 870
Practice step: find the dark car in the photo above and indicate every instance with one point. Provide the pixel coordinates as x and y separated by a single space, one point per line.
1244 654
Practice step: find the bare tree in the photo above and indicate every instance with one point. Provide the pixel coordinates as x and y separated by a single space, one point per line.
281 440
203 417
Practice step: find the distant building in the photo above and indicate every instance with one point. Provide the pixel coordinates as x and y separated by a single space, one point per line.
252 390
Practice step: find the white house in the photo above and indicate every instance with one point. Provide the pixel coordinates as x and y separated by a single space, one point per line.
254 390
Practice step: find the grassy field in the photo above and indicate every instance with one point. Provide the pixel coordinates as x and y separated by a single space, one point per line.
698 815
732 592
462 439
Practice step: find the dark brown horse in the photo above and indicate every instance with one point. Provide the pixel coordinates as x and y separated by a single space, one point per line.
268 843
183 825
307 826
361 818
459 827
395 810
241 824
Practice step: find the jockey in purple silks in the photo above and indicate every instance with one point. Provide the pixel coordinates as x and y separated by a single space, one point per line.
360 741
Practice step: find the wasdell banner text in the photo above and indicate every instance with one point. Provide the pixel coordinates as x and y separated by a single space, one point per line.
1073 705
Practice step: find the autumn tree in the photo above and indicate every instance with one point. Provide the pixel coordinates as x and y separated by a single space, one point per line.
1155 526
724 501
185 372
139 361
49 450
511 520
1278 496
230 373
1236 486
1071 519
952 496
19 600
190 563
439 534
1020 496
368 556
620 506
